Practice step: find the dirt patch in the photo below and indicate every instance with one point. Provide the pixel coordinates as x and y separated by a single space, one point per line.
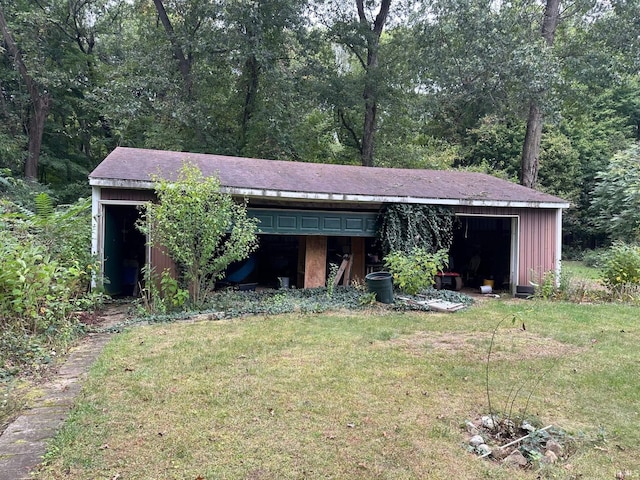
512 344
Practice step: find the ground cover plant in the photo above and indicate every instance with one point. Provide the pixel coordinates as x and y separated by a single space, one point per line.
353 395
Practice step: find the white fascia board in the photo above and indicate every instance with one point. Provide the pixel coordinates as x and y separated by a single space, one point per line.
339 197
114 183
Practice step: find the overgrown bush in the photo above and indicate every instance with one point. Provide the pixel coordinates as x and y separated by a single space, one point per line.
203 229
594 258
44 279
415 271
621 268
615 205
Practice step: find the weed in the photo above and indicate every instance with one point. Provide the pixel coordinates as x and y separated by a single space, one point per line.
331 280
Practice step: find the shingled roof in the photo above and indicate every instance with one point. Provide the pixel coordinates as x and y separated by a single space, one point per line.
252 177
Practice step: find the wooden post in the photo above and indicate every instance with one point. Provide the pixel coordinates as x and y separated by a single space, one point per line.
359 258
302 251
315 262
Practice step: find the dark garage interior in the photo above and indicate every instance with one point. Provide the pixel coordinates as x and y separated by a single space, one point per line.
481 250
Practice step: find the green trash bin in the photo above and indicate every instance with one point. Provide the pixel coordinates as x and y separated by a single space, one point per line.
380 283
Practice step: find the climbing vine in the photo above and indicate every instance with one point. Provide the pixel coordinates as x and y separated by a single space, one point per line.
403 227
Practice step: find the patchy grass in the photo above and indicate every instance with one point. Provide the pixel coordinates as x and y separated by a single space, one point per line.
354 395
578 270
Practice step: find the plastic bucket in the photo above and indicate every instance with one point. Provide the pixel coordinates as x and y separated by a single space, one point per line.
380 283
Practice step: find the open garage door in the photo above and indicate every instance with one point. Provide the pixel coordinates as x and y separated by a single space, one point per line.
124 249
484 251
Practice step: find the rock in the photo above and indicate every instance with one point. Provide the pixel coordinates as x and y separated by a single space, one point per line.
509 424
476 440
471 428
488 422
549 458
553 446
528 427
500 453
515 459
483 449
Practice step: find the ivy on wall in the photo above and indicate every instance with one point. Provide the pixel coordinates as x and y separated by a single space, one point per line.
403 227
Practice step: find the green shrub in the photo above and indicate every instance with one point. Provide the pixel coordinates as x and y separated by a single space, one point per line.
44 279
621 268
415 271
594 258
405 226
162 295
203 229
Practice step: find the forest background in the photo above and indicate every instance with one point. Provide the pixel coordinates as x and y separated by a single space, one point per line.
393 83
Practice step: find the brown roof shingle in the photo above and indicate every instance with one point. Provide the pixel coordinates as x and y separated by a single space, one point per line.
132 167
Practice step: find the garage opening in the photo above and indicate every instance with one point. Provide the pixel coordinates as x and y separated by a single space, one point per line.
484 251
124 250
281 261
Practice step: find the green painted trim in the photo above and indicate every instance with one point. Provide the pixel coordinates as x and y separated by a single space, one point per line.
315 222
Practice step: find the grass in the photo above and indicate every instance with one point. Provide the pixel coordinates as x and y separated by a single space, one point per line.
578 270
354 395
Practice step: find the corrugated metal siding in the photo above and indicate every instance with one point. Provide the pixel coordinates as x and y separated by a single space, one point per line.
537 244
537 238
125 194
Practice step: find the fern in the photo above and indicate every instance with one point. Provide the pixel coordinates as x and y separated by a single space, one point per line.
44 206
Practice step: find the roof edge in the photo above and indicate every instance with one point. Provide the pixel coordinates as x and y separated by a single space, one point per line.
339 197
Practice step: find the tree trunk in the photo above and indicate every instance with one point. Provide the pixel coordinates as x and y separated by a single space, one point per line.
184 63
531 147
40 103
370 93
530 160
39 110
251 83
369 131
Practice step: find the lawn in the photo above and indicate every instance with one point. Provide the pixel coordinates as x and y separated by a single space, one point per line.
578 270
355 395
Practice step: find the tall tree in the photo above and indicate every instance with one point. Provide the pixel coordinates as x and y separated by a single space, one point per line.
358 79
185 60
40 102
531 148
372 33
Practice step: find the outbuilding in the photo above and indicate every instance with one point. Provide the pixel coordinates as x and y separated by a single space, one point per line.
312 214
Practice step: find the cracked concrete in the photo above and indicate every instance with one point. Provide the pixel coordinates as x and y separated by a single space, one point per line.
23 444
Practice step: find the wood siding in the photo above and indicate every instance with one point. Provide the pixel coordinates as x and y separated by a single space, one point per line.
126 194
536 236
315 266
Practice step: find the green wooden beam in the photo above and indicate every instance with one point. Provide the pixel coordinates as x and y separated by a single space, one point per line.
315 222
